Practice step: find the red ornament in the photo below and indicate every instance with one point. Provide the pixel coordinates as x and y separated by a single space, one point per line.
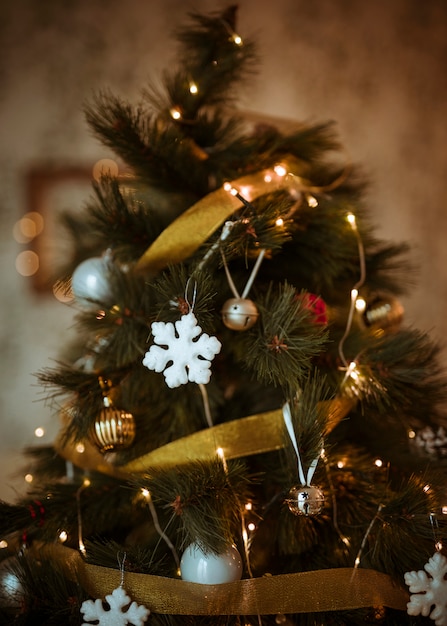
316 306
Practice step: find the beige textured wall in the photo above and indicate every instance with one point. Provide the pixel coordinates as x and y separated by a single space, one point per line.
377 68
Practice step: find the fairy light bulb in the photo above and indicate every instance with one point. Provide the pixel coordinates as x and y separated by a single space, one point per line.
444 510
251 527
29 478
360 304
63 536
352 371
279 222
268 178
3 544
146 493
193 89
426 488
351 219
280 170
312 201
378 462
248 506
340 464
80 448
237 39
175 113
221 455
227 186
411 434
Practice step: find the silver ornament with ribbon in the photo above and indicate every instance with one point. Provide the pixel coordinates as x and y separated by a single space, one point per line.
303 499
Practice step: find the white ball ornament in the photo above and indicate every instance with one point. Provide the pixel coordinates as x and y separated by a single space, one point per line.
90 281
196 566
239 313
305 500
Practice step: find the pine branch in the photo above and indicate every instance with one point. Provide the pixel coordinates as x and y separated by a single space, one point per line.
205 497
280 346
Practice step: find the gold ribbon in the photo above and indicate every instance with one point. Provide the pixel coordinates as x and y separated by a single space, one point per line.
247 436
337 589
191 229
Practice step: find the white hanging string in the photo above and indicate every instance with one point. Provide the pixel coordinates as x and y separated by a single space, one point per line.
121 567
305 481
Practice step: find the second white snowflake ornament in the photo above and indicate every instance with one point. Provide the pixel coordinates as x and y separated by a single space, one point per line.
180 353
121 611
429 593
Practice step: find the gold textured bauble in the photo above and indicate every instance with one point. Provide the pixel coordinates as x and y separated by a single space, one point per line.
239 313
114 428
383 313
305 500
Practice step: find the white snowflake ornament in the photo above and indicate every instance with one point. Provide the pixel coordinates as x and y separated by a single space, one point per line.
117 614
180 352
429 592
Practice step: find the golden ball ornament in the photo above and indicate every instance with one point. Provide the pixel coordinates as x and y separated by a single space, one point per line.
114 429
239 314
383 313
305 500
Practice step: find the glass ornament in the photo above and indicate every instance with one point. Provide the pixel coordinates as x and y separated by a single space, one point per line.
90 281
11 590
239 313
383 312
305 500
207 568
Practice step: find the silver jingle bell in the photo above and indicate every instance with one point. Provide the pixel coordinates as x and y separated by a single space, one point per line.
239 313
305 500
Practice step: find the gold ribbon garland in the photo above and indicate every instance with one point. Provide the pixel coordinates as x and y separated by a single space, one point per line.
182 237
247 436
337 589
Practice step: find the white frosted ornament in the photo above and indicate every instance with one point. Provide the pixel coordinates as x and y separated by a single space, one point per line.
90 281
196 566
239 313
305 500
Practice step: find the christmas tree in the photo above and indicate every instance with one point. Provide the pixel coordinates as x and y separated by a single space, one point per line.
249 432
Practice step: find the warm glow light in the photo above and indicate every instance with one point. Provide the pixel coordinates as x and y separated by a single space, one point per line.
378 462
444 510
175 113
411 434
80 448
233 191
63 536
357 562
360 304
280 170
29 478
268 178
346 541
312 201
28 227
221 455
145 492
3 544
279 221
354 294
27 263
39 432
426 489
351 219
86 482
340 464
227 186
248 506
105 167
193 88
237 40
438 546
251 526
352 370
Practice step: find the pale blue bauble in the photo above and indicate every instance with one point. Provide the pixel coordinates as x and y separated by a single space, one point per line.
91 281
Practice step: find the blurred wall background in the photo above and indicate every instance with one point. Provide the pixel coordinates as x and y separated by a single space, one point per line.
377 68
